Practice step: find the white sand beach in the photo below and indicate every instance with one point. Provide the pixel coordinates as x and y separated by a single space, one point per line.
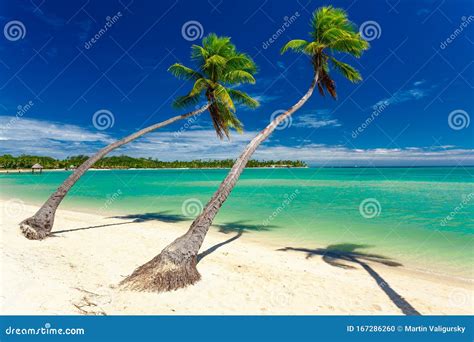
77 272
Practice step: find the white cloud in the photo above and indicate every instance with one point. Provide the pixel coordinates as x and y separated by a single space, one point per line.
261 98
29 136
265 98
60 140
23 129
316 154
315 119
188 145
401 96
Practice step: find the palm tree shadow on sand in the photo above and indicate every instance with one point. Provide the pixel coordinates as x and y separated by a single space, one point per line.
163 216
341 254
238 227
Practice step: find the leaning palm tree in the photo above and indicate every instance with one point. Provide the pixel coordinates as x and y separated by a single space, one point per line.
220 66
175 266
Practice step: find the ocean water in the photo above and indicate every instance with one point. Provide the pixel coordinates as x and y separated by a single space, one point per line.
422 218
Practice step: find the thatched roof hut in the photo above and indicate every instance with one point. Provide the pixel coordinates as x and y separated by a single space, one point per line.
37 167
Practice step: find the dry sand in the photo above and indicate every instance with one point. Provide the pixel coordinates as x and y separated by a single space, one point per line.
77 272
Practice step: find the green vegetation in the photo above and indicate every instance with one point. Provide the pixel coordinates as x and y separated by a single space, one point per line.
7 161
332 32
220 68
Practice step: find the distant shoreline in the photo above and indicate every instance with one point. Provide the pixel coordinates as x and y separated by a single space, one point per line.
9 162
151 168
13 171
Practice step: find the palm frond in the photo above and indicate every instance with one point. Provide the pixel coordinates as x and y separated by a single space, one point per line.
297 45
215 61
238 76
241 61
218 120
327 83
243 98
230 119
313 48
183 72
345 69
217 45
332 31
353 45
199 86
222 96
199 54
186 101
219 65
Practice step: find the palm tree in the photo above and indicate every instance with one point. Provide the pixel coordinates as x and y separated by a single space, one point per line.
220 65
175 266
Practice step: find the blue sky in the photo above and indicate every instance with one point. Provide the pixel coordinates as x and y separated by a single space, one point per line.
418 70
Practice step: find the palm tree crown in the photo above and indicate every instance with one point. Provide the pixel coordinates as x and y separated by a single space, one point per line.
331 31
220 67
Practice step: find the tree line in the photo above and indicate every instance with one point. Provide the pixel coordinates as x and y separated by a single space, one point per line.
8 161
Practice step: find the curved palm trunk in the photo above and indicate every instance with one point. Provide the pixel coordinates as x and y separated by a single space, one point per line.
175 266
40 224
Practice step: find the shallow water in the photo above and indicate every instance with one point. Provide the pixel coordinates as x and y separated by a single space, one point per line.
420 217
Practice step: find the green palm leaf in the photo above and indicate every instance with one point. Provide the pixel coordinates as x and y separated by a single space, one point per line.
200 85
183 72
239 76
215 61
332 31
297 45
219 66
222 96
241 62
186 101
345 69
243 98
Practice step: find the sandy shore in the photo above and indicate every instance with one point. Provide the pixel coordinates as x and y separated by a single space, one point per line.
77 272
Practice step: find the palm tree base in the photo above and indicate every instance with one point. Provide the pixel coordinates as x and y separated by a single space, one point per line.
33 230
162 274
